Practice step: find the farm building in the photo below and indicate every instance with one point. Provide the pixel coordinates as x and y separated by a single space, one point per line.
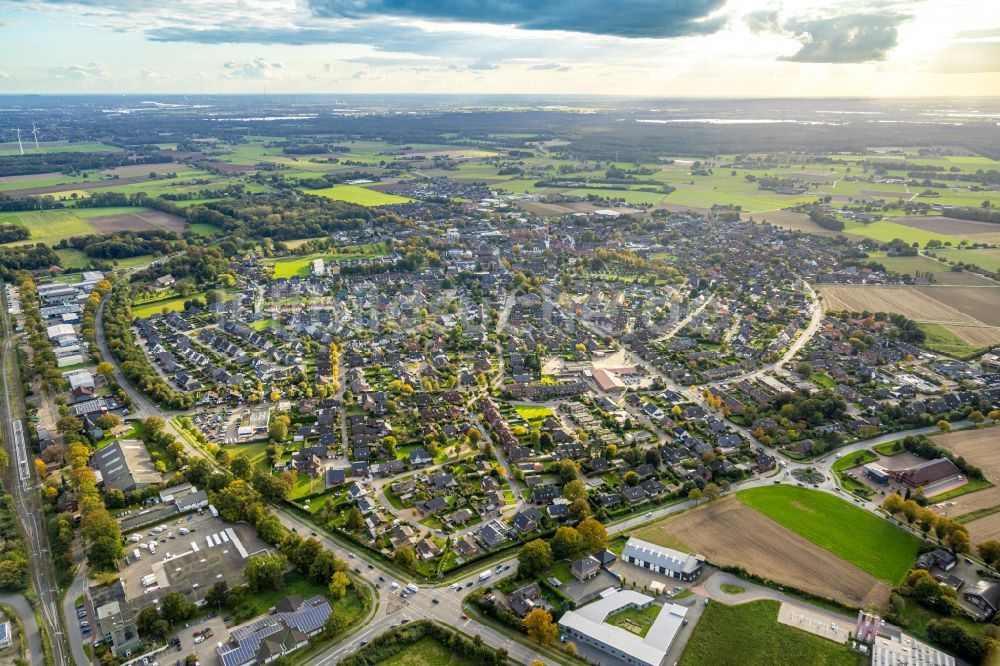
666 561
928 474
587 625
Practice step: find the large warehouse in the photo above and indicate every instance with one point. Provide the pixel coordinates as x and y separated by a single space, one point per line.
666 561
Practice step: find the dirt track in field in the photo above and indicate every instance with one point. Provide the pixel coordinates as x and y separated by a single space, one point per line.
730 533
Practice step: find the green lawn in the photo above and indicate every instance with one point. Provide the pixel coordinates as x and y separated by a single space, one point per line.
533 412
851 460
853 534
255 451
427 652
729 588
561 572
359 195
750 635
154 307
634 620
302 266
821 379
889 448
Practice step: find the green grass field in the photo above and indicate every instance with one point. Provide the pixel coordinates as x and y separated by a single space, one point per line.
359 195
56 147
154 307
851 460
886 231
986 258
533 412
49 226
427 652
750 635
941 340
302 266
855 535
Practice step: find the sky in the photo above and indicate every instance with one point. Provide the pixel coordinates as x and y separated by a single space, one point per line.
648 48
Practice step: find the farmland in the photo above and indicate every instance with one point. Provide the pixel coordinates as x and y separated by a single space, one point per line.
729 532
49 226
852 534
359 195
986 258
979 447
967 312
750 634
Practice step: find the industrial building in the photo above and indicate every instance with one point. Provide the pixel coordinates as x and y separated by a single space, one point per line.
666 561
587 626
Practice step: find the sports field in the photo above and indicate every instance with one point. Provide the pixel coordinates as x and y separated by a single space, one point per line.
854 535
359 195
750 635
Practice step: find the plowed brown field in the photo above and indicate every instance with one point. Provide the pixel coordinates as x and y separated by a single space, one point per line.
730 533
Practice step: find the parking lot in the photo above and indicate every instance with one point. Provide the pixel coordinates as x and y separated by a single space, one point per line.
205 650
191 554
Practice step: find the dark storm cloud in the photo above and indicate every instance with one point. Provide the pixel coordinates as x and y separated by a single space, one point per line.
622 18
845 39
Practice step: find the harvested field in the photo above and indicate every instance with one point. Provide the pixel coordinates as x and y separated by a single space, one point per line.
979 303
981 447
946 225
30 177
969 312
880 194
146 221
228 167
787 219
984 529
731 533
970 502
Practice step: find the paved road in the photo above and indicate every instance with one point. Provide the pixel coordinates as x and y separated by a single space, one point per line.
24 611
22 485
76 641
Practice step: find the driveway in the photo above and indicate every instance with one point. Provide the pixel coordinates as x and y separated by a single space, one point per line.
76 639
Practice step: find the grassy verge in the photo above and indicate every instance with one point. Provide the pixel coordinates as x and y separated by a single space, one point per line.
753 632
972 486
47 651
979 513
889 448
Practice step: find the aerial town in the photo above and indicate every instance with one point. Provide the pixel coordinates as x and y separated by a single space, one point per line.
424 380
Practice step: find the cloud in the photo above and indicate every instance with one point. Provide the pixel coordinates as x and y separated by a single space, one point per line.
4 75
149 74
258 68
968 58
549 66
483 64
632 18
93 70
845 39
763 21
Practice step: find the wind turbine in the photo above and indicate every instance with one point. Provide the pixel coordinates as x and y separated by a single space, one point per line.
34 133
19 140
